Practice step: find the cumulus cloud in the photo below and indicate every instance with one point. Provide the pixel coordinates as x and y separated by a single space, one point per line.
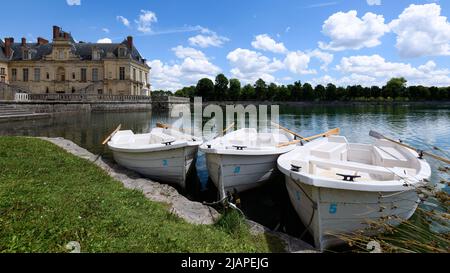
250 65
325 57
104 41
422 31
73 2
374 2
191 67
208 38
347 31
266 43
123 20
379 71
297 62
145 20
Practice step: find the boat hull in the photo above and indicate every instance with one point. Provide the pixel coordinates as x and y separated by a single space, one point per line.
240 172
341 212
167 166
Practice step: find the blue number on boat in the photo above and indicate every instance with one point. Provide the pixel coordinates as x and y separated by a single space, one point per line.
298 196
165 162
333 209
237 170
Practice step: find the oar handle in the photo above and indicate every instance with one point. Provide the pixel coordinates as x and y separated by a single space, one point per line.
287 130
112 134
288 143
335 131
229 127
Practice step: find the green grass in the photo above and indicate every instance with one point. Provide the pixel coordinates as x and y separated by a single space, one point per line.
49 197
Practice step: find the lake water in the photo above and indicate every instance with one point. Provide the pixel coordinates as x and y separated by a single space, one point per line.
423 126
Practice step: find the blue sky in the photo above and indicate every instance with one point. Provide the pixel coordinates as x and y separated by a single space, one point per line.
343 41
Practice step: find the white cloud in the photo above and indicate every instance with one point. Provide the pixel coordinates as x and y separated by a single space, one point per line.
325 57
104 41
379 70
191 67
123 20
106 30
188 52
211 39
266 43
374 2
146 18
73 2
249 65
348 31
297 62
422 31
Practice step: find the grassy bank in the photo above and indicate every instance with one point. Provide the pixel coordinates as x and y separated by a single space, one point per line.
49 197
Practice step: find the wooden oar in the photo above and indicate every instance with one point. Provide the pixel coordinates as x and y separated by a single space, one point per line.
225 130
167 126
380 136
331 132
228 128
112 134
287 130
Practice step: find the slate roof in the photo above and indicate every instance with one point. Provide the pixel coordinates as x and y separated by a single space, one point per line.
84 50
2 53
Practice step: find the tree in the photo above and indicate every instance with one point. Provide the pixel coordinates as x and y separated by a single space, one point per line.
261 89
331 92
234 92
394 87
320 92
205 88
221 87
297 91
248 92
308 92
283 93
272 91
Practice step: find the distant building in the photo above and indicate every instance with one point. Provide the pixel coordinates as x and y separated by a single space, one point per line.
66 66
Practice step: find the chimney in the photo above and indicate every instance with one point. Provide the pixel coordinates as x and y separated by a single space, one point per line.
42 41
56 32
130 42
24 41
8 43
66 36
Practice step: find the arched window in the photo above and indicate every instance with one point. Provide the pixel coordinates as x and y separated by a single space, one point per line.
61 74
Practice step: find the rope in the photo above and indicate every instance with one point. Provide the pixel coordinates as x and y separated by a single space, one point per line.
314 207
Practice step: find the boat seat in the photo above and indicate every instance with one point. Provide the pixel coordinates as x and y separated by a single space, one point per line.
346 165
329 150
390 157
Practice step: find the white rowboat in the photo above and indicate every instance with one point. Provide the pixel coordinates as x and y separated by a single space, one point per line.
385 177
244 159
164 155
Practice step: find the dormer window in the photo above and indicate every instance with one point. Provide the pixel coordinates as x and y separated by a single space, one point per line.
96 55
26 54
122 52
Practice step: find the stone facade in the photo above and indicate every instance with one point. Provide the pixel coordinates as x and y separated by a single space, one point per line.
66 66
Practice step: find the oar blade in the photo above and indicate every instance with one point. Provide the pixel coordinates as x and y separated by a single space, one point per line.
376 135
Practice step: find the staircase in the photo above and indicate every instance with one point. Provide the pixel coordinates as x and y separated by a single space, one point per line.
11 113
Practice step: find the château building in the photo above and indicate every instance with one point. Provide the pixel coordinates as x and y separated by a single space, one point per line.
66 66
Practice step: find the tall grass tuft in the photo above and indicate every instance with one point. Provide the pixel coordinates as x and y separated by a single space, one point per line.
427 231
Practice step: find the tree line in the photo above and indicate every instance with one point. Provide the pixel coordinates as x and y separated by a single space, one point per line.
232 90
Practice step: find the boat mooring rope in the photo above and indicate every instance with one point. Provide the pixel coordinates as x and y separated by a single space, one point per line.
314 207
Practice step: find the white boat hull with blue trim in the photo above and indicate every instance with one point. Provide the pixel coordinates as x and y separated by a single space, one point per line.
244 159
163 155
385 177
